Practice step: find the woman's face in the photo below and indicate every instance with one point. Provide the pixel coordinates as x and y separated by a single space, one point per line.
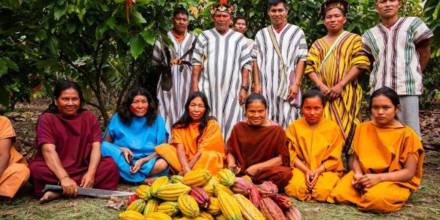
68 102
196 109
312 110
256 113
383 110
334 20
139 106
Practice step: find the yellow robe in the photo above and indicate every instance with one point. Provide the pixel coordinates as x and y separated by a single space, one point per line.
314 146
211 145
382 150
348 53
17 171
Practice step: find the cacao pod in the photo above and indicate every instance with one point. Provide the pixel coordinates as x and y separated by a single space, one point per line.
201 197
188 206
169 208
197 178
206 216
248 210
143 192
229 206
160 181
209 187
214 206
157 216
267 188
254 196
220 187
130 215
226 177
151 206
176 179
241 186
271 210
283 202
137 205
293 214
172 191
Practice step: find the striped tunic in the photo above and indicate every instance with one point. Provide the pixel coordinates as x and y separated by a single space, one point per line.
293 46
396 62
348 53
171 103
222 58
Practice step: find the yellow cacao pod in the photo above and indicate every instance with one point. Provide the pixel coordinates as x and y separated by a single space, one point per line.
197 178
143 192
137 205
188 206
214 206
157 216
176 179
226 177
248 210
206 216
160 181
130 215
169 208
220 187
151 206
229 206
172 191
209 187
220 217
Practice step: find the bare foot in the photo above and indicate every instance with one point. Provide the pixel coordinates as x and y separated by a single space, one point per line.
49 196
149 180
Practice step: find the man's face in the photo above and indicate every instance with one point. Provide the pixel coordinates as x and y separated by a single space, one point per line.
180 23
387 8
240 26
222 20
277 14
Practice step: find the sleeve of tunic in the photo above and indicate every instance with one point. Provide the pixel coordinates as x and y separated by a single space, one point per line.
245 54
358 55
292 144
162 134
301 53
199 50
421 31
412 146
313 61
96 129
45 134
6 129
212 138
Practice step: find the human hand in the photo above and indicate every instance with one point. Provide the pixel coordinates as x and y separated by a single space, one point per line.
128 155
70 188
369 180
137 166
252 170
293 91
88 180
324 89
335 91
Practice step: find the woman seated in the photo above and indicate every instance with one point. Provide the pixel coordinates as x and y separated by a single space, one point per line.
14 171
68 147
131 136
315 145
387 159
257 146
196 139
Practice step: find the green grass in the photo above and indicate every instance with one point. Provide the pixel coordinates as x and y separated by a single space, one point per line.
424 204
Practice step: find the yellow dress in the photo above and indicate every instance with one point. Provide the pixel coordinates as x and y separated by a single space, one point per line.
314 146
17 171
211 145
382 150
348 53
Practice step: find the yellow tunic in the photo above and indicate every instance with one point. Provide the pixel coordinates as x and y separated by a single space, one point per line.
348 53
17 171
382 150
314 146
211 145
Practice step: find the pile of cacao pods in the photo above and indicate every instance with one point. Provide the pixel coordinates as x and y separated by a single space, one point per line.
201 196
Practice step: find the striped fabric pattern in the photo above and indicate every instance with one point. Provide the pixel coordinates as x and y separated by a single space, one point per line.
293 46
222 58
396 62
348 53
171 103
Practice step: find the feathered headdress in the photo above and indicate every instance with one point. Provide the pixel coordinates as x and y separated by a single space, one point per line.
222 6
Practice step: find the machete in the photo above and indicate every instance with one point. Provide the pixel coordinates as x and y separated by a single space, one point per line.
99 193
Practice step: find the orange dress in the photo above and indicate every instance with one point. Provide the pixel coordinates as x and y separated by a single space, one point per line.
315 146
210 144
382 150
17 171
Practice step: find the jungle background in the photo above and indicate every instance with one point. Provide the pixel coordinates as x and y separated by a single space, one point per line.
106 46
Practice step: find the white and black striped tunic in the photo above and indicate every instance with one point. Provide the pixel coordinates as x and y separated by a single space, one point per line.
293 46
171 103
222 58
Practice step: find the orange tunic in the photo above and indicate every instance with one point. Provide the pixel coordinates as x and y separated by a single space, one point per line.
315 146
382 150
210 144
17 171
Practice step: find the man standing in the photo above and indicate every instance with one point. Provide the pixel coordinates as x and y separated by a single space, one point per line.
240 25
173 87
219 61
282 51
400 47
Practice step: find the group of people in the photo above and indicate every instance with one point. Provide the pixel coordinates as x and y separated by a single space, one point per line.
205 117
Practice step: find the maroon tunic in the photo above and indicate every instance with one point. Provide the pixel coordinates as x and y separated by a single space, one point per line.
73 139
251 145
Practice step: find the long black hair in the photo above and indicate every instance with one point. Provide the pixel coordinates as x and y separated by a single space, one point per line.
314 92
60 86
186 119
124 108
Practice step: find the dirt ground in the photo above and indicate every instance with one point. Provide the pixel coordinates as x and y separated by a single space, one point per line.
424 204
